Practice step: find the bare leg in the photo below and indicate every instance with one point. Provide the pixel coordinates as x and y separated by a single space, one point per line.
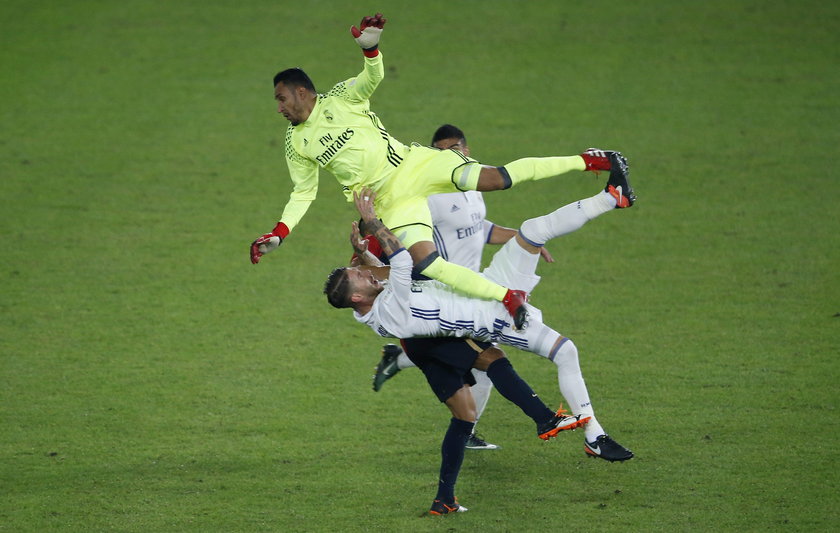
490 179
462 405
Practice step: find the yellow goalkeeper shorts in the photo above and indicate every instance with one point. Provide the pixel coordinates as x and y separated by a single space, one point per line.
402 202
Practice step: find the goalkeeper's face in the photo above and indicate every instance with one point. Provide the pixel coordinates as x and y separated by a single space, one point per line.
453 143
292 103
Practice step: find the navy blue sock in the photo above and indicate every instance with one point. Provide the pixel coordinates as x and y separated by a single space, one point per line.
452 455
514 388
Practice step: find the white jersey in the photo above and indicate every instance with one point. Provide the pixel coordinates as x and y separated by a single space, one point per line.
407 308
460 230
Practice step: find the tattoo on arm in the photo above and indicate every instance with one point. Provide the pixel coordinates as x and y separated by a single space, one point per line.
389 242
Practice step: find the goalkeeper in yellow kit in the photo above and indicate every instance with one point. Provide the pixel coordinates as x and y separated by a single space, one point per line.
338 131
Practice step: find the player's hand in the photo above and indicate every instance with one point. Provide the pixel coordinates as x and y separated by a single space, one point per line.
364 204
268 242
359 243
368 33
545 255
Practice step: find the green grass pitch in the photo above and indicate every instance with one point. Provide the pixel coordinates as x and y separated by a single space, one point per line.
152 379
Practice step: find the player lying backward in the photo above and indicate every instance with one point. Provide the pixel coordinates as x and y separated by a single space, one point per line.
402 308
461 230
337 131
450 364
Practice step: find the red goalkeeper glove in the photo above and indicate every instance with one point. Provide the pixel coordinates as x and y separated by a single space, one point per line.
268 242
514 302
367 34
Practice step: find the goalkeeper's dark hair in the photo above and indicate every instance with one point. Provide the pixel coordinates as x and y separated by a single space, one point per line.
448 131
337 288
294 77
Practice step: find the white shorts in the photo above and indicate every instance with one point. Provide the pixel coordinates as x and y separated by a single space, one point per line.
513 267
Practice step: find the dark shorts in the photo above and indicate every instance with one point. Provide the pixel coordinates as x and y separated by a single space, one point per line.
446 362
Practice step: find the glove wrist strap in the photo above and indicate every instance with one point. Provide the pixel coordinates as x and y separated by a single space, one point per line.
281 230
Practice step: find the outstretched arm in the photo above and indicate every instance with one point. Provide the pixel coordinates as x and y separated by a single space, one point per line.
367 36
362 255
304 175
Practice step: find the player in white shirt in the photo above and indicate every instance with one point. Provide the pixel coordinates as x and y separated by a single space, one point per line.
448 364
402 308
460 232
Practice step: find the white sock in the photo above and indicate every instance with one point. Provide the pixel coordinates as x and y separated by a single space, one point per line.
567 219
481 392
573 387
404 362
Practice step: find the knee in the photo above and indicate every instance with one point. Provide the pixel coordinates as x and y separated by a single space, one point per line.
493 179
488 357
463 412
492 353
527 230
466 416
564 351
462 405
423 253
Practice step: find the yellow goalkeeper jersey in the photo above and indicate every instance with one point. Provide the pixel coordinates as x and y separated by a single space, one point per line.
343 136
